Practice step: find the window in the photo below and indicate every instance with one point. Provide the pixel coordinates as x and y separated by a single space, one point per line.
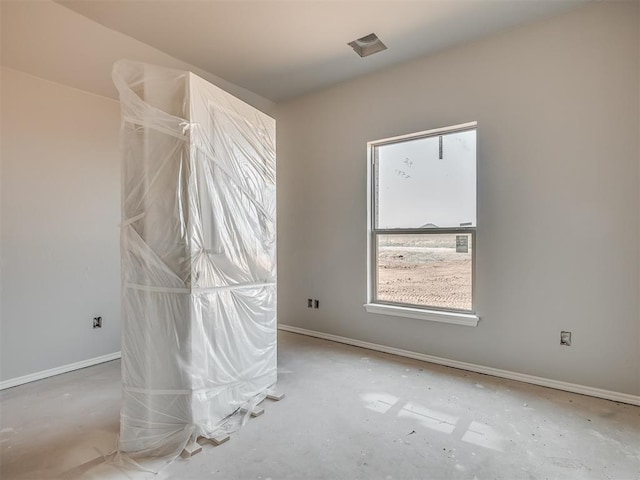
422 225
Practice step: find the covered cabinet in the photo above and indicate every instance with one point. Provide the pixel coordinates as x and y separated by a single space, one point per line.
198 248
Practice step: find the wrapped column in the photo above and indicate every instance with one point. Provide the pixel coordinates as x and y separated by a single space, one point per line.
198 250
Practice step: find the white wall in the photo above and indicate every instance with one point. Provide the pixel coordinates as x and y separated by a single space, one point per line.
558 212
60 237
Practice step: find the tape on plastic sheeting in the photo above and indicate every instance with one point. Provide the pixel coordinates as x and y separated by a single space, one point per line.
150 125
211 392
149 288
196 391
129 221
232 287
197 290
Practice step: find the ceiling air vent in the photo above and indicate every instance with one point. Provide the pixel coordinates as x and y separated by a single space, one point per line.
367 45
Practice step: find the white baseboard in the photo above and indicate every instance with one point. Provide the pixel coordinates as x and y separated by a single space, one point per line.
32 377
521 377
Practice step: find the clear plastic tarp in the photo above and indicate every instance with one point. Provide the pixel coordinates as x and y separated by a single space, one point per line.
198 248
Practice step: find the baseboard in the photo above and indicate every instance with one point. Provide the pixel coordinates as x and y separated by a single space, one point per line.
521 377
32 377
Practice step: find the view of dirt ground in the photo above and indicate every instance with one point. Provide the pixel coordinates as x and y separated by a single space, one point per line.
424 270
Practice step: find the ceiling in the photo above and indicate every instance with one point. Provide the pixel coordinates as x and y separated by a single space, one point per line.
283 49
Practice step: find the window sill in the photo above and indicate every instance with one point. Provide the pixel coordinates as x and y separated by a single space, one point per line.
467 319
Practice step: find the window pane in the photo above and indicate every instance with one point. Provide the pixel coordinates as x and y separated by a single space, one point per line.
427 182
433 270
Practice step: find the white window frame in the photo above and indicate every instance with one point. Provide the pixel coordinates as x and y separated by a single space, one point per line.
435 314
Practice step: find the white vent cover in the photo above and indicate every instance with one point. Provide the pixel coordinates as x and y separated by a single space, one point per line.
367 45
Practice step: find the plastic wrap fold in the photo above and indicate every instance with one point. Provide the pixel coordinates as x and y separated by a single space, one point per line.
198 249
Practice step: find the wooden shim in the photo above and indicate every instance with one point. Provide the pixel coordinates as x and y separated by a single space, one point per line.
191 449
275 396
255 412
219 440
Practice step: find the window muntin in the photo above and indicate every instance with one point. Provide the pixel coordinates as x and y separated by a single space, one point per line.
423 219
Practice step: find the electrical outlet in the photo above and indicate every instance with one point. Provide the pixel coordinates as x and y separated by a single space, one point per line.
565 338
97 322
309 303
316 304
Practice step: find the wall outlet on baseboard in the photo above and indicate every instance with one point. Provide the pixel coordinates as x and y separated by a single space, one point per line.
97 322
313 303
565 338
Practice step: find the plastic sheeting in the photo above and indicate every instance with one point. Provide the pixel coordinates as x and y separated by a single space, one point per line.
198 249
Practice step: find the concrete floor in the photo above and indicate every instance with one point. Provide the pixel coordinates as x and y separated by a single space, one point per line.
349 413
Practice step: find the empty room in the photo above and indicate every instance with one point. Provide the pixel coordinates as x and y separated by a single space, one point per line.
320 239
